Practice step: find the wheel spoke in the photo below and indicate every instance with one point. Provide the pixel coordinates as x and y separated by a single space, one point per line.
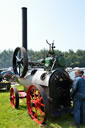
39 94
34 92
19 69
31 99
17 59
22 61
21 65
42 105
40 99
36 115
35 97
32 112
42 113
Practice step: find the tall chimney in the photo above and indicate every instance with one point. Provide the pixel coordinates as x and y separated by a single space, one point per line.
24 27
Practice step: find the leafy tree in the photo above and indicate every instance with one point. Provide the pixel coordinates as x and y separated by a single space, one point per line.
73 59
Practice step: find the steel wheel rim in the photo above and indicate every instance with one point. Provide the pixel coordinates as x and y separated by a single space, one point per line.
35 104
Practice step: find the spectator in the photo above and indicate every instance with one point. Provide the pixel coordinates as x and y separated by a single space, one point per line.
78 94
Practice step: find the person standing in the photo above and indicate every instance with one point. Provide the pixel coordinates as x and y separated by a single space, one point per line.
78 94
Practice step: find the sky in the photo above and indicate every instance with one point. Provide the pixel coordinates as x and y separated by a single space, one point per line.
60 20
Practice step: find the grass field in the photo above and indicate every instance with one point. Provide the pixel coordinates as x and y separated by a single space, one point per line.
12 118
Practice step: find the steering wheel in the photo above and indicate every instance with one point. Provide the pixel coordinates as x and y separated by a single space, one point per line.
20 61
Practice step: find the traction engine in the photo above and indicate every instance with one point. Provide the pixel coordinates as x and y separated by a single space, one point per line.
46 83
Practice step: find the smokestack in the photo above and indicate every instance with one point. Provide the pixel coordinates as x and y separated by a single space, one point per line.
24 27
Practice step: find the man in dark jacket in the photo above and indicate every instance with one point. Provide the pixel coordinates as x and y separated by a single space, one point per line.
78 94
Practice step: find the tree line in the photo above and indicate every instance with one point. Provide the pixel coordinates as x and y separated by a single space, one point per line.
73 59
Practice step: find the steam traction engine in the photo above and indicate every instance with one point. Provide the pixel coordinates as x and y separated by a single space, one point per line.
46 82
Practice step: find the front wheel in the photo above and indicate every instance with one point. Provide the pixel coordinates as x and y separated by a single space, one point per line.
14 98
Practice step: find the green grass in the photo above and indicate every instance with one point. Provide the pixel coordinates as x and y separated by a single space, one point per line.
12 118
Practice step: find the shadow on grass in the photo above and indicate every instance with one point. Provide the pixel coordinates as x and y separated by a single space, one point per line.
22 107
64 121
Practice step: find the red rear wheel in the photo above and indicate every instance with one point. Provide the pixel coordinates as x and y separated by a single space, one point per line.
37 103
14 98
